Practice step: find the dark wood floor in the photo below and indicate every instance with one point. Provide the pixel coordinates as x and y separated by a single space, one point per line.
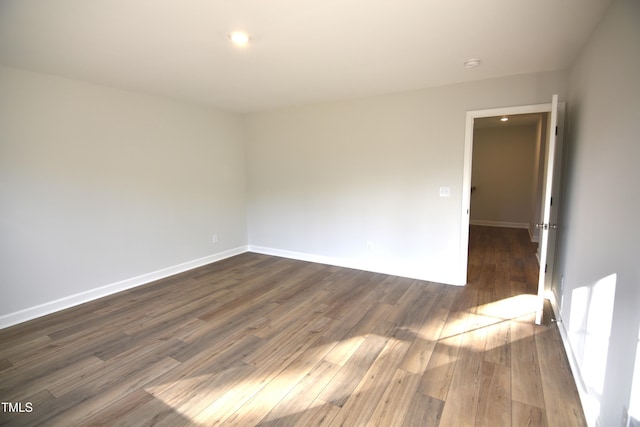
260 340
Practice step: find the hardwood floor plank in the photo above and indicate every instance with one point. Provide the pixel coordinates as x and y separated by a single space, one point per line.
196 397
370 320
424 411
117 412
84 344
422 347
75 406
437 377
396 400
116 369
148 413
127 314
292 407
81 369
54 357
526 381
19 349
227 406
225 335
364 286
27 331
5 364
498 347
179 311
461 405
406 307
320 414
527 415
288 314
349 376
179 385
394 287
356 323
278 387
342 350
254 290
494 404
286 345
366 396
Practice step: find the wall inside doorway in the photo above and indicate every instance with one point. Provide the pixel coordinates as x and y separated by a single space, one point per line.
507 173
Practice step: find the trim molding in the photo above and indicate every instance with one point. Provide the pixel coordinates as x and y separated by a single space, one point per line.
103 291
301 256
351 263
505 224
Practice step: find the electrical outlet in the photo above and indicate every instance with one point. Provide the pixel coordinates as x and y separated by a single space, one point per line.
214 238
445 191
370 245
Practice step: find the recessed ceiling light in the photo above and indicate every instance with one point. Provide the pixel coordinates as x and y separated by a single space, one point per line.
504 119
472 63
239 38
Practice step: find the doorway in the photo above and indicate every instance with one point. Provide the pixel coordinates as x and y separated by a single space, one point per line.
506 195
507 171
550 188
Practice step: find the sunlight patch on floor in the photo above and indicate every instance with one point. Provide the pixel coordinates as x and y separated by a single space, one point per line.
250 392
510 308
342 350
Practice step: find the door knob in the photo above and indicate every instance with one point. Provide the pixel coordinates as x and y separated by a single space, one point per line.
546 226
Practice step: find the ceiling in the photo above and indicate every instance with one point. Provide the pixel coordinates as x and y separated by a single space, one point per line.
514 120
301 51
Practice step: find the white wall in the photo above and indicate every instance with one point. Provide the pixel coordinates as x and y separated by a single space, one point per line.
98 186
600 235
325 180
503 174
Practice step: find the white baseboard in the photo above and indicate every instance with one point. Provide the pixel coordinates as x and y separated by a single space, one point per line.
354 264
301 256
583 392
532 236
504 224
92 294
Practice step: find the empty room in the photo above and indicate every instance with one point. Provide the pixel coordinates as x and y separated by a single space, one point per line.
297 213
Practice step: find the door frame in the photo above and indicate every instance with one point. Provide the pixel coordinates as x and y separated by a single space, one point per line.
466 177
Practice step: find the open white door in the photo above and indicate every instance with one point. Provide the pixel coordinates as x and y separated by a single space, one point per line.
550 202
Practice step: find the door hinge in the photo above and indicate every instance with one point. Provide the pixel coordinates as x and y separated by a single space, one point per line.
545 267
556 130
551 202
